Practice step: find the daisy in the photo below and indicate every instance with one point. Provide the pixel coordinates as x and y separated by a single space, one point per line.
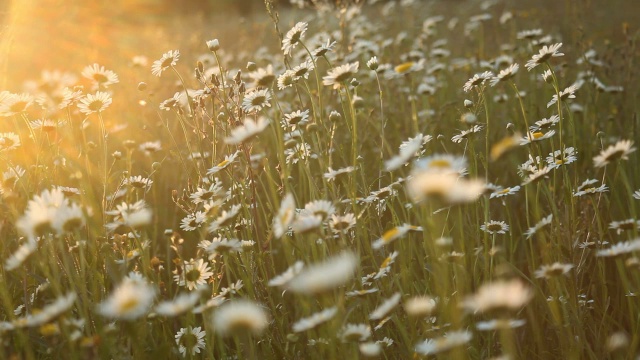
225 219
332 174
228 160
220 246
287 79
131 299
285 216
544 54
553 270
419 306
355 333
505 74
565 94
620 248
303 70
477 80
314 320
256 100
100 76
327 275
359 293
620 150
323 49
239 316
14 104
296 118
536 136
537 175
466 134
285 277
545 123
621 226
17 258
193 274
193 221
150 147
385 266
499 324
139 182
561 157
93 103
190 340
442 163
167 60
263 76
447 187
203 195
393 234
9 141
509 294
293 37
636 195
498 193
370 349
407 152
542 223
342 224
338 75
172 102
385 308
504 145
306 223
449 341
529 34
495 227
181 304
321 208
129 216
247 131
51 311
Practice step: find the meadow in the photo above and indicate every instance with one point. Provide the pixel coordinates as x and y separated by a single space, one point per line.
385 179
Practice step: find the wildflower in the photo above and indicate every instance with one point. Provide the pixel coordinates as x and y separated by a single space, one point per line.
505 74
93 103
256 100
100 76
296 118
449 341
370 349
239 316
306 223
213 45
21 254
167 60
193 274
636 195
545 123
263 76
338 75
285 277
561 157
285 216
565 94
495 227
529 34
193 221
181 304
15 104
228 160
465 134
190 340
385 266
383 309
408 151
620 150
477 80
172 102
536 136
9 141
546 53
341 224
332 174
130 300
393 234
499 324
498 193
358 293
129 215
373 63
303 69
287 79
420 306
225 218
537 175
555 269
620 226
293 37
355 332
620 248
511 294
139 182
314 320
247 131
47 313
542 223
324 276
321 208
323 49
505 144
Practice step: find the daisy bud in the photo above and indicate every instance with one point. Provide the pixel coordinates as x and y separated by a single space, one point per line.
251 66
373 63
335 116
142 86
213 45
117 155
312 127
358 102
129 144
510 126
468 103
355 83
155 166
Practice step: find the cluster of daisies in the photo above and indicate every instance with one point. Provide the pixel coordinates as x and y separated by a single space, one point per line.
322 197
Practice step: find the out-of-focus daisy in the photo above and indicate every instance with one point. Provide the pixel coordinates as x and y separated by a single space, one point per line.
263 77
247 131
621 248
225 218
329 274
466 134
420 306
285 277
129 216
239 316
332 174
167 60
190 340
314 320
505 74
14 104
324 48
172 102
408 151
624 225
553 270
359 293
322 208
9 141
619 151
529 34
636 195
340 224
355 333
285 216
477 80
51 311
447 187
256 100
338 75
542 223
94 103
370 349
568 93
504 145
544 54
536 175
393 234
501 294
130 300
495 227
101 77
442 163
193 274
19 256
500 192
536 136
499 324
385 308
449 341
293 37
306 223
181 304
